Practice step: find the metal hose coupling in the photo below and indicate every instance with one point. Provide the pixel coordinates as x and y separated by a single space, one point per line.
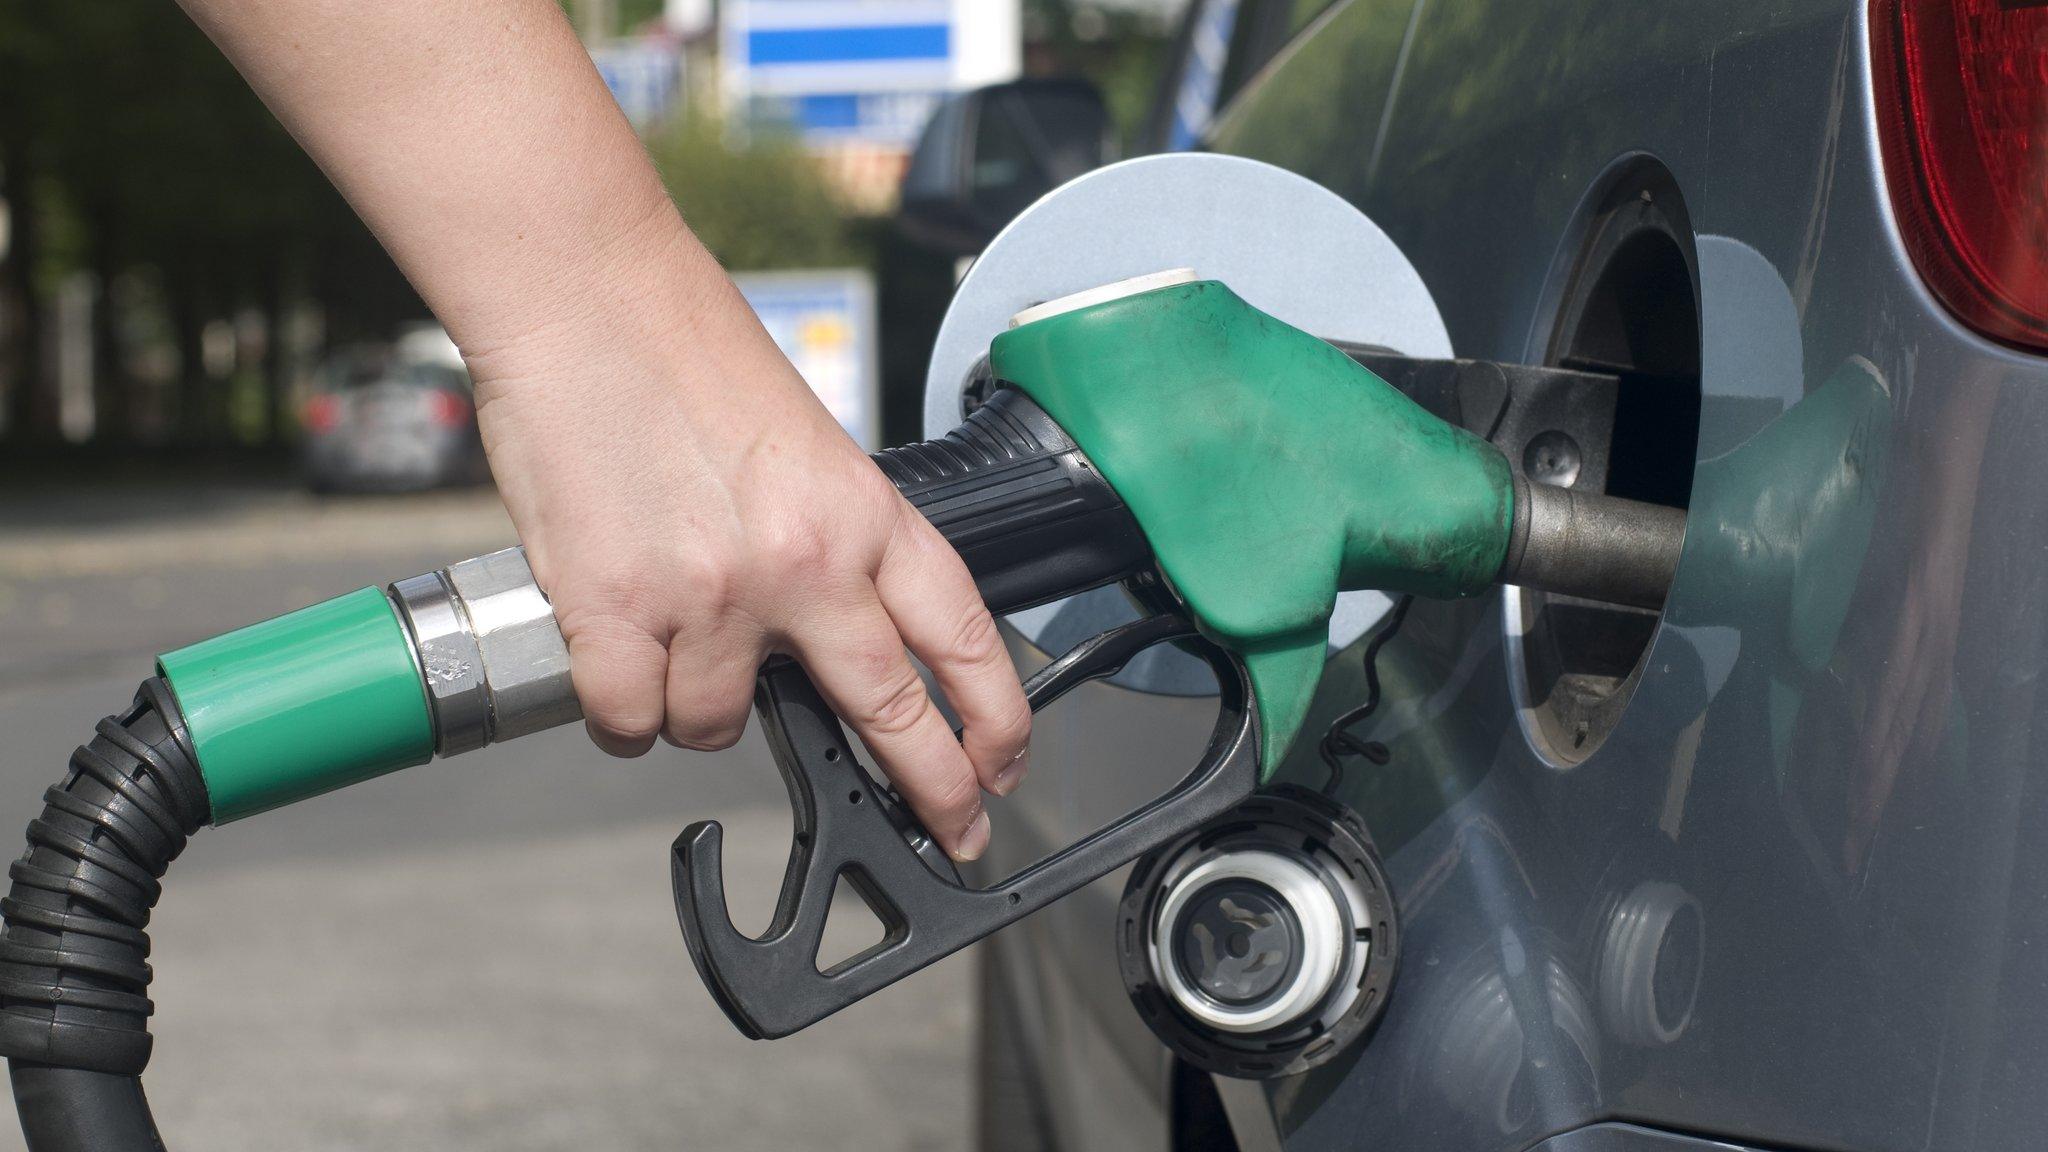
488 650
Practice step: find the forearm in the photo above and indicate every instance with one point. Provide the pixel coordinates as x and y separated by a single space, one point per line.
479 144
477 141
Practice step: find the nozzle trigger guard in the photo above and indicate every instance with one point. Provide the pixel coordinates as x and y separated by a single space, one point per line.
848 825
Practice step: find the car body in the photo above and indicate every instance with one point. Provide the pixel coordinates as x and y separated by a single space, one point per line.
1819 759
393 418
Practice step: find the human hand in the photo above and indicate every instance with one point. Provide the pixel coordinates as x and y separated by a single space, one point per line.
691 509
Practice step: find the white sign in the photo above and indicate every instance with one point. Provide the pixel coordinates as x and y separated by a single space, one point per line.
687 17
824 321
867 70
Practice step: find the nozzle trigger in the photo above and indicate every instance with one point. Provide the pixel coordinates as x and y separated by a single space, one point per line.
848 825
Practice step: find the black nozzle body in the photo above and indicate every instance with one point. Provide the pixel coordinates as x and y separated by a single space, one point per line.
1021 503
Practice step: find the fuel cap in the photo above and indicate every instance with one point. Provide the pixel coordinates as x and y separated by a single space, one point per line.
1263 943
1247 939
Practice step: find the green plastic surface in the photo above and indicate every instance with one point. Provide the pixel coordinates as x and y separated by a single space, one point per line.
1782 537
303 704
1268 471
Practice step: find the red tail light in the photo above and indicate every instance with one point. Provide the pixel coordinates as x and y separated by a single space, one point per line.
447 409
322 414
1962 109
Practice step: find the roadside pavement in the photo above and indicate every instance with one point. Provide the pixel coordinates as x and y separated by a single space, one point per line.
475 954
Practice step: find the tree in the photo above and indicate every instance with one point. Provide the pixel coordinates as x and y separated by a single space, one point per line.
25 83
128 142
764 204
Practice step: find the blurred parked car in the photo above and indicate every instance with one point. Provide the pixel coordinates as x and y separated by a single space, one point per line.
391 419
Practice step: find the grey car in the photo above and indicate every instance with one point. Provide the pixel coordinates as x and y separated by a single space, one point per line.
1768 868
392 419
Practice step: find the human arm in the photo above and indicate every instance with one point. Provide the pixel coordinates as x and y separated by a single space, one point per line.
685 500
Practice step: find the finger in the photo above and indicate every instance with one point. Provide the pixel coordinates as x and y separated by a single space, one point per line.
617 671
711 686
940 615
854 655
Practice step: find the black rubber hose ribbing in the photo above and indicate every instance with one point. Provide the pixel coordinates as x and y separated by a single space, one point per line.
74 971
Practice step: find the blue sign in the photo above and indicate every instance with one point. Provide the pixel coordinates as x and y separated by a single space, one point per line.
839 47
849 43
875 117
860 72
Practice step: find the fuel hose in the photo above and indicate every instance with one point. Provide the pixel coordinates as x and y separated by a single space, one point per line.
74 971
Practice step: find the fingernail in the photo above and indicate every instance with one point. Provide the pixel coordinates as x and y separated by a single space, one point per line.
974 841
1012 774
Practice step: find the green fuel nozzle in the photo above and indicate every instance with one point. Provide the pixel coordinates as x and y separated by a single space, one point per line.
1271 471
1268 469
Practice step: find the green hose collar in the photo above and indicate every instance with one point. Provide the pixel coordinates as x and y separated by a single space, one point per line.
303 704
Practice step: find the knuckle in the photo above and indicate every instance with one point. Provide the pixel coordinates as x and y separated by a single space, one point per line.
1010 728
796 544
869 485
705 721
898 707
617 674
707 582
653 594
974 639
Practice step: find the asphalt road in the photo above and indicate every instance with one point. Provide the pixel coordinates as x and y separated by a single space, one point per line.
477 954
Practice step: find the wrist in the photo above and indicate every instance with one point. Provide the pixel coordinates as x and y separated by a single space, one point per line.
638 288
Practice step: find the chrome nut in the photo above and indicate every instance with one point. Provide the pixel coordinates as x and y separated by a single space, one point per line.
492 658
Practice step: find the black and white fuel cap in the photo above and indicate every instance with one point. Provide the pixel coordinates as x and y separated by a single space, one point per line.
1264 943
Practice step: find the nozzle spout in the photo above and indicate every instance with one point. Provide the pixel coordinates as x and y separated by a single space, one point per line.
1591 545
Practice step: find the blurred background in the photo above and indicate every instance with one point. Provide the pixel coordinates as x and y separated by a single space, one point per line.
175 272
220 401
